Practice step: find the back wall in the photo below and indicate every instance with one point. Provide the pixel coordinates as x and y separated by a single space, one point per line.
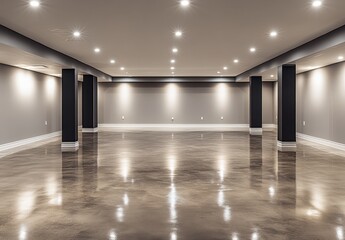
157 103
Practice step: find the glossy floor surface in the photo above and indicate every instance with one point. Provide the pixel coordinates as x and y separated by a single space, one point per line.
182 185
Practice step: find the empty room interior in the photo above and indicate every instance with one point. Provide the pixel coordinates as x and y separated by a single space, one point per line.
172 119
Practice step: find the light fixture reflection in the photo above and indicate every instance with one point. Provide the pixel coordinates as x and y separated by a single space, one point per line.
119 214
220 198
22 233
112 235
235 236
124 169
313 213
26 203
125 199
227 214
172 166
172 202
255 236
221 168
340 232
173 236
271 191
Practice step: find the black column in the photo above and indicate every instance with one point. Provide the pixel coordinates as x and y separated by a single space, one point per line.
69 109
287 107
90 114
255 114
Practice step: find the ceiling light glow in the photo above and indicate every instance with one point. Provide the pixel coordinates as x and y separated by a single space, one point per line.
172 68
122 68
225 68
112 61
76 34
341 58
97 50
252 49
317 3
34 3
236 61
185 3
272 76
273 34
178 33
172 61
174 50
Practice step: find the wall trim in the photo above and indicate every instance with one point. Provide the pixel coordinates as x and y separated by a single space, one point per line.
185 127
23 142
322 141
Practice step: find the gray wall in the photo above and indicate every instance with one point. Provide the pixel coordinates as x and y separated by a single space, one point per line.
27 100
156 103
321 103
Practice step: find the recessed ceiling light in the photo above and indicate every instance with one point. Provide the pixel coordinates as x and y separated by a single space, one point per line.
172 61
34 3
172 68
317 3
178 33
218 72
225 68
185 3
272 76
252 49
174 50
76 34
273 34
172 73
236 61
112 61
340 58
97 50
122 68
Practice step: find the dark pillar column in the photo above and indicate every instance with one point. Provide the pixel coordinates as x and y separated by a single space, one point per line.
90 113
287 107
69 110
255 105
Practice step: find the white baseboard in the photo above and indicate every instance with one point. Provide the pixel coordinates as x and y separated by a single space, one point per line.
255 131
185 127
23 142
90 130
286 146
322 141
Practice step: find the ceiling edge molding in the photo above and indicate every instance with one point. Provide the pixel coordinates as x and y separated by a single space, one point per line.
179 79
14 39
328 40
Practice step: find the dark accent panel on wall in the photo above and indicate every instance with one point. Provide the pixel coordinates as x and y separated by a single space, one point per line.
255 108
323 42
90 101
69 105
287 103
11 38
173 79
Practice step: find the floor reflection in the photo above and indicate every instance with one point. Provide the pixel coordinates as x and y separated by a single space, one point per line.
255 157
148 185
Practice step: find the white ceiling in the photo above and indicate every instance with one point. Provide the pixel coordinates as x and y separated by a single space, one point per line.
140 34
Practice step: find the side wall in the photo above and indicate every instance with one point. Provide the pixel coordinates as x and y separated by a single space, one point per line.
27 100
321 103
157 103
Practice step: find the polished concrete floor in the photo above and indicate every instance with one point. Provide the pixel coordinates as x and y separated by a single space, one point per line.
182 185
